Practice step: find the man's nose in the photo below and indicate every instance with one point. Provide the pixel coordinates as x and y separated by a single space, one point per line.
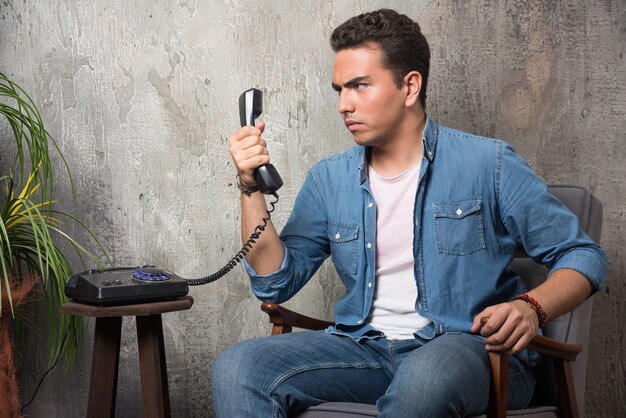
344 104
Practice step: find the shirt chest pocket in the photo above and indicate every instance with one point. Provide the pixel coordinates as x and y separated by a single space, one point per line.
459 227
343 246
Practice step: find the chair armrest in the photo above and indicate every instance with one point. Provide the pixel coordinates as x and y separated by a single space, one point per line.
284 319
554 348
563 354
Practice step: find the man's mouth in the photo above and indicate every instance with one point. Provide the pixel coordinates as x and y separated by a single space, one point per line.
352 125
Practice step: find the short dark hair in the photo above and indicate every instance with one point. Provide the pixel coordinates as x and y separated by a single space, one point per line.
404 48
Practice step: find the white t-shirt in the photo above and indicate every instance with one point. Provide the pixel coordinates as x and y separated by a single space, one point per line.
395 294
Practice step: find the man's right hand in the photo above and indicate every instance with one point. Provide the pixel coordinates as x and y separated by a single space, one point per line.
249 151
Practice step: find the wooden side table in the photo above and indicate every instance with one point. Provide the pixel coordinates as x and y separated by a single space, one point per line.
106 353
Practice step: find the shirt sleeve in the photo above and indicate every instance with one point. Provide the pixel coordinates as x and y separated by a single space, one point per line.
306 245
549 232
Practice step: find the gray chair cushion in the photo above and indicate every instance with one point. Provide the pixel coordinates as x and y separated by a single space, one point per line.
340 410
353 410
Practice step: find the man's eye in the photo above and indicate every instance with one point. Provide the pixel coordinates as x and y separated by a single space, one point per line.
360 86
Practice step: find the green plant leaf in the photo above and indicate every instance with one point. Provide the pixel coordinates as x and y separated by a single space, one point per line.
30 230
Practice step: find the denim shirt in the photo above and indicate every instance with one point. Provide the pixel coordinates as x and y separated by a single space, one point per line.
476 201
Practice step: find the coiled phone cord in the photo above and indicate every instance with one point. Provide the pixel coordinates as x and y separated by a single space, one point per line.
241 254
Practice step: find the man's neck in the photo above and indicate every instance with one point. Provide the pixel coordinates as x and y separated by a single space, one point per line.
402 152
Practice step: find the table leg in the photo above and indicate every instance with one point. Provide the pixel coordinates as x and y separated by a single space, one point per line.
104 365
154 390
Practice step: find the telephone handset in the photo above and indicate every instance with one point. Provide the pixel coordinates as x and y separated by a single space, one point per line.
250 107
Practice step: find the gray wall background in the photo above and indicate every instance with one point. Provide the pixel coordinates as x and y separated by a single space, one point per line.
142 96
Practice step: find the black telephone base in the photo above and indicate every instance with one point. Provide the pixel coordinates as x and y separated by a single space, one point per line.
125 286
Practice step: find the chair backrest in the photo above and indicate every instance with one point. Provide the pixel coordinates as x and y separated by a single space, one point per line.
574 326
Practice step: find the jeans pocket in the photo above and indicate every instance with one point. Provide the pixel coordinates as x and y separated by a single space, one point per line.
343 245
459 226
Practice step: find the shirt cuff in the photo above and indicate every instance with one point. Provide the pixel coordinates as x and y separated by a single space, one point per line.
592 263
264 285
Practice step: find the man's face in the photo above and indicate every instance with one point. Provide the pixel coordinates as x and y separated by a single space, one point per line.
370 102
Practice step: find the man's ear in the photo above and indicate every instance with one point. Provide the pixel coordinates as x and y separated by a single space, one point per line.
413 84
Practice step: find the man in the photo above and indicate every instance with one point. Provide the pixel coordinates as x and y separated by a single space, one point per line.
421 222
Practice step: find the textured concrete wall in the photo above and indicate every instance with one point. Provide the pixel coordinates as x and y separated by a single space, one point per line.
142 95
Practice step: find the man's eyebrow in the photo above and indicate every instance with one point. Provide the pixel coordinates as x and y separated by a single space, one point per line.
350 83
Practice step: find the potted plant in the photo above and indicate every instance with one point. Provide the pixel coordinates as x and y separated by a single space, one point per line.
31 231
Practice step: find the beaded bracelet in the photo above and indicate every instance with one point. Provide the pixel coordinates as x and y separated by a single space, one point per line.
541 314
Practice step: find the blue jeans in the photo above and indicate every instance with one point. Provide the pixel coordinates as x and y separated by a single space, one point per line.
281 375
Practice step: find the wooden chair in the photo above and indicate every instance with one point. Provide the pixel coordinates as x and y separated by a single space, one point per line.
559 377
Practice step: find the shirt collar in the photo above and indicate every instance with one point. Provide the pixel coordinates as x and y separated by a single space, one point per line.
429 142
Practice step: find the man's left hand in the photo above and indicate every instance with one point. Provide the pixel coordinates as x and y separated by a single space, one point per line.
510 326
